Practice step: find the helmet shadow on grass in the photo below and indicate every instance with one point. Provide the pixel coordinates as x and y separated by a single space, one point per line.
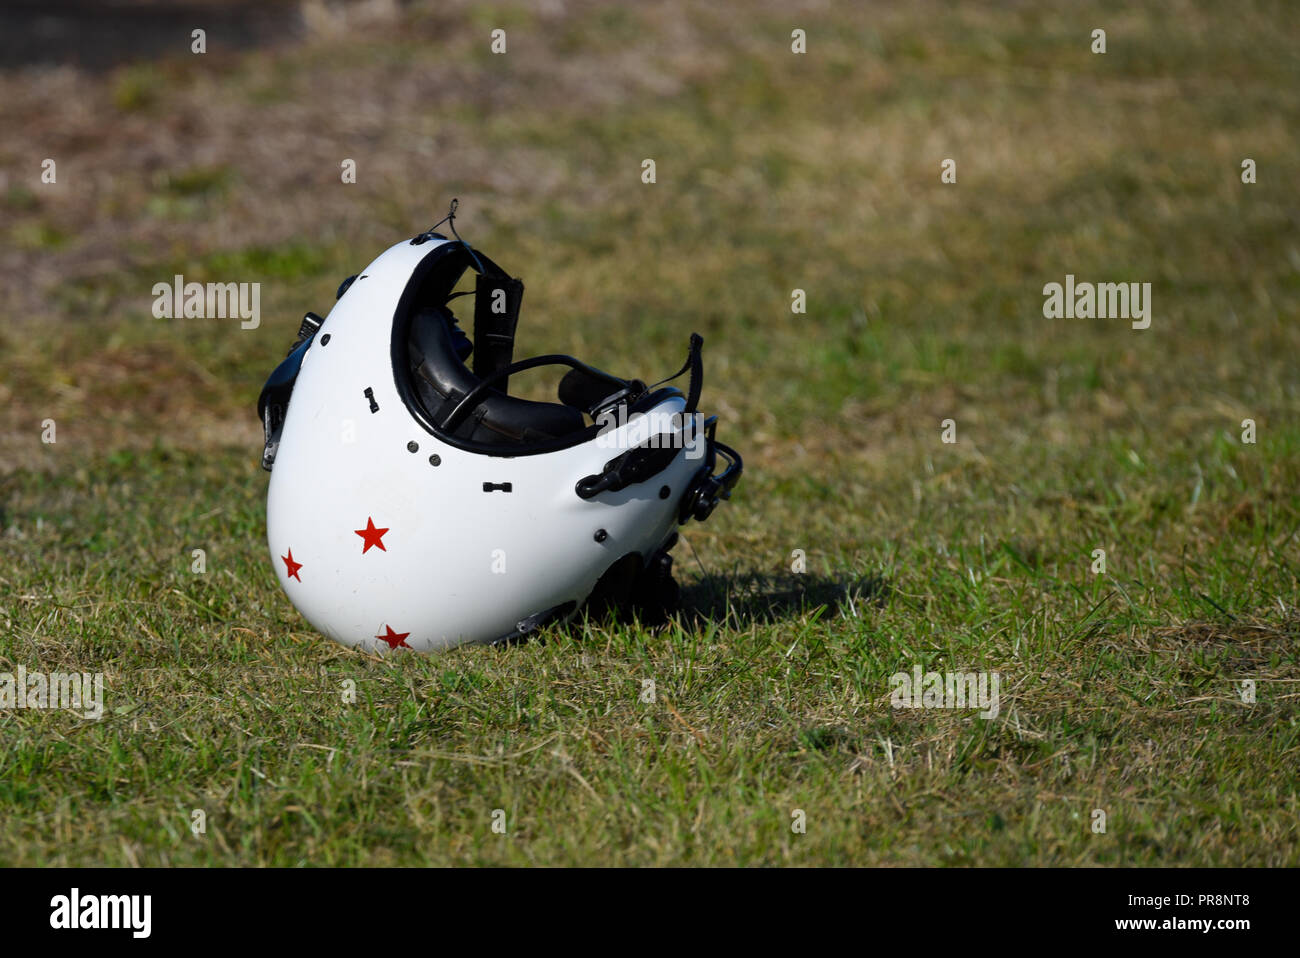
751 598
733 601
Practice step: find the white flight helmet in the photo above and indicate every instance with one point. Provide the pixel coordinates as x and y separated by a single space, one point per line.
414 503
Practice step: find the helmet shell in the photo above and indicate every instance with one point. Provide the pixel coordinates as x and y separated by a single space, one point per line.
453 563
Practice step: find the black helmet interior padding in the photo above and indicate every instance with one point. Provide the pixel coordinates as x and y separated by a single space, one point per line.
441 380
435 384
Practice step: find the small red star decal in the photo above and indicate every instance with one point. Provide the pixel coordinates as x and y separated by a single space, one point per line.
372 536
291 567
394 639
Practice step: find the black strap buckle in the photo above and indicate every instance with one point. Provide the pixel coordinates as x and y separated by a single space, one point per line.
635 465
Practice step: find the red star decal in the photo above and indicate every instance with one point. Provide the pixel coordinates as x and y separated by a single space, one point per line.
394 639
291 567
372 536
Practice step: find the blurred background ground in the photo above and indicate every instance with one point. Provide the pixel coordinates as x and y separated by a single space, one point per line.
775 171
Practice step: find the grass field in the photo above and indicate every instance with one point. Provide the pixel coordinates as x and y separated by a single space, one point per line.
1121 691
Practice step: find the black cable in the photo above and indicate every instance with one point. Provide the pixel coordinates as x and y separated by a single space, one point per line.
450 220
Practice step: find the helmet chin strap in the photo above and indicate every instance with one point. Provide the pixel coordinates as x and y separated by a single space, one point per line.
497 298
